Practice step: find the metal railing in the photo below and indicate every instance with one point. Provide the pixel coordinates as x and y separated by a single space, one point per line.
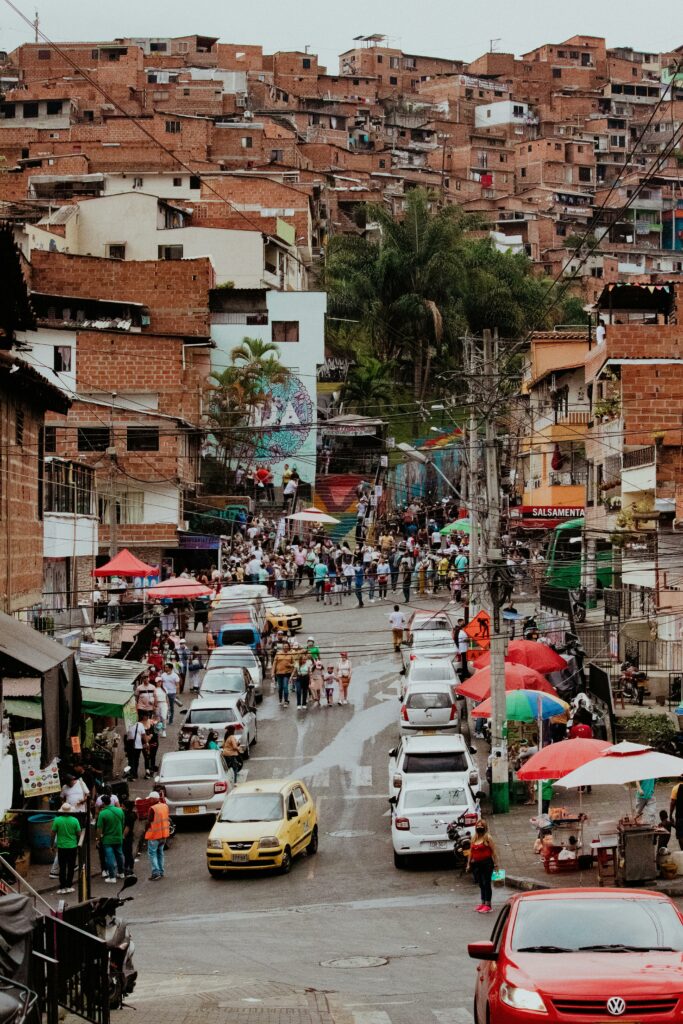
640 457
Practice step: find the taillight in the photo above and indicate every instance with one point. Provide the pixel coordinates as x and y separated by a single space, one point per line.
402 824
470 818
238 728
220 787
398 781
413 657
404 713
454 713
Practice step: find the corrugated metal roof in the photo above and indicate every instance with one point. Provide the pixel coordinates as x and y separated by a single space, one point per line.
110 674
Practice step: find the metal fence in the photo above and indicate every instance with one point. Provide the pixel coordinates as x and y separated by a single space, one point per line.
71 969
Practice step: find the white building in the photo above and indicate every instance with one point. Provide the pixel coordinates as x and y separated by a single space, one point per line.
295 321
503 112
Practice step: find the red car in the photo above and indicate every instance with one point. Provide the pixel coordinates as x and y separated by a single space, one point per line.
582 955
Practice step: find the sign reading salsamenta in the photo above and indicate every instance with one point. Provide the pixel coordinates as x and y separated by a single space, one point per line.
558 512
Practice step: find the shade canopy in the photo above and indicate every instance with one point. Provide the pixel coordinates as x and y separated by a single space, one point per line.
459 526
179 587
125 564
517 677
530 653
312 515
559 759
524 706
622 763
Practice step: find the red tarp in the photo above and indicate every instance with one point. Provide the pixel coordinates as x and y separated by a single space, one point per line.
125 564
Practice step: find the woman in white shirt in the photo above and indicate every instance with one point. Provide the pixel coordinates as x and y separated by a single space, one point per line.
162 704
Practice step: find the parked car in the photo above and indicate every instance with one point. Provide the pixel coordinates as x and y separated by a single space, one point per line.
195 782
235 679
282 616
433 643
240 600
239 656
215 714
429 707
263 824
434 755
421 813
582 955
429 670
432 621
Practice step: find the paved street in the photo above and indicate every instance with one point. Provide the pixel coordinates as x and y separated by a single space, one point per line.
273 949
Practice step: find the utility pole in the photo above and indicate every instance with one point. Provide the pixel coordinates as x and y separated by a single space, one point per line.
473 480
500 793
111 452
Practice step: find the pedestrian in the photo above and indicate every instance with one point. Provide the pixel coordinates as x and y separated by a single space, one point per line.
170 681
195 668
300 676
395 562
320 574
158 831
371 575
110 823
151 747
547 793
483 862
343 673
183 662
232 752
283 666
463 643
406 568
316 681
329 680
397 621
130 822
145 697
66 829
211 741
646 804
358 578
162 700
383 574
339 589
135 743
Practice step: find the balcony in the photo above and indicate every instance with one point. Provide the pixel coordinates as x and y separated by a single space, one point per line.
639 472
639 457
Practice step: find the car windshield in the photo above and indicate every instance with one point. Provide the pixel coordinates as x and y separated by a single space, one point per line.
429 638
597 924
252 807
236 658
188 768
434 799
443 761
210 716
430 673
422 701
236 636
432 624
222 682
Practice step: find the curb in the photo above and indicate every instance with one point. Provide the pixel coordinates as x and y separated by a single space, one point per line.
523 884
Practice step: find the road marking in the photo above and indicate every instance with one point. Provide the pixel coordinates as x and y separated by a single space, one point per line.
361 775
243 775
275 757
456 1015
370 1017
321 780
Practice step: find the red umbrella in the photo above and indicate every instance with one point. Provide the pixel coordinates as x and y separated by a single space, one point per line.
530 653
559 759
125 564
178 586
517 677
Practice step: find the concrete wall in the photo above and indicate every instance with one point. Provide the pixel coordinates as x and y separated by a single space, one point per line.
69 536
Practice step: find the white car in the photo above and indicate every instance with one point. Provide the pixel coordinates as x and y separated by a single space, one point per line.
446 756
431 621
429 707
216 714
421 812
433 643
239 656
429 670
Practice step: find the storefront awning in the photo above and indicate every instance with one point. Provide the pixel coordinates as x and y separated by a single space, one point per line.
106 703
24 708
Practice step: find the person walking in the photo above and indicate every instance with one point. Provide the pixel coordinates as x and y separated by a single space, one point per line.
135 742
130 821
358 579
483 861
158 831
329 680
170 682
316 681
232 752
162 705
406 568
320 574
300 676
646 804
66 829
383 574
463 643
145 697
395 562
110 823
283 666
195 668
343 673
397 621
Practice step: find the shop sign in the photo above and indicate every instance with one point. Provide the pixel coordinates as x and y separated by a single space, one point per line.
558 512
35 781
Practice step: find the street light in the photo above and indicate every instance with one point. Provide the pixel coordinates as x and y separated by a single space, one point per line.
415 455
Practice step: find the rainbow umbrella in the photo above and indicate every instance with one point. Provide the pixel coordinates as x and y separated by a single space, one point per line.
524 706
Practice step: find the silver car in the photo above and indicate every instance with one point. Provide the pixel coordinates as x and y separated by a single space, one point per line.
195 782
239 656
224 681
216 714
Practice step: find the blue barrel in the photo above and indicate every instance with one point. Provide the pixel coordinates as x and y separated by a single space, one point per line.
39 836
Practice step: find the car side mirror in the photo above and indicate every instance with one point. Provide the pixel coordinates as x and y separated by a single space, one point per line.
482 951
393 800
292 814
392 752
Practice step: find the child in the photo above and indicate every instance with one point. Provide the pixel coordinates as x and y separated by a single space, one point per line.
327 591
339 588
329 679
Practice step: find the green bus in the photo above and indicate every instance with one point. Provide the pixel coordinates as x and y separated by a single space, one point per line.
564 557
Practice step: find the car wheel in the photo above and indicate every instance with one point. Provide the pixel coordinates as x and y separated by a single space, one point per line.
255 739
215 873
286 863
312 847
247 754
475 1012
259 698
400 861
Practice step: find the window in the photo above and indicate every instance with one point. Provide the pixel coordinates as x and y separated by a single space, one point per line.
54 107
186 92
95 54
562 53
195 181
130 507
557 72
380 58
573 54
170 252
306 63
523 172
173 127
93 439
158 47
116 250
44 54
558 146
177 182
393 80
50 440
394 62
383 163
285 330
88 115
142 439
19 428
277 156
247 142
9 110
138 182
585 174
61 359
517 110
30 110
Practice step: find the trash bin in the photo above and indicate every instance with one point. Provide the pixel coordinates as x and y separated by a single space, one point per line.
39 837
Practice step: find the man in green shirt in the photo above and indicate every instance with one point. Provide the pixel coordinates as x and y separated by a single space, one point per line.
66 829
110 822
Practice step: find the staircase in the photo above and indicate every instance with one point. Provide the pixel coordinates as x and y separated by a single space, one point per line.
336 495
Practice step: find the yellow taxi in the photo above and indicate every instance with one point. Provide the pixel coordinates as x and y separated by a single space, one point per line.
263 824
283 617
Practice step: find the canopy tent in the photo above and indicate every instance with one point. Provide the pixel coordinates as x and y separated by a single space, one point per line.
559 759
530 653
125 564
106 687
178 587
517 677
622 763
312 515
459 526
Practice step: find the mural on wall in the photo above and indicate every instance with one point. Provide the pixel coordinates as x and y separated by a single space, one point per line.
285 423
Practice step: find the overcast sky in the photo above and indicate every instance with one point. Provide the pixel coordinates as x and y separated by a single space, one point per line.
446 28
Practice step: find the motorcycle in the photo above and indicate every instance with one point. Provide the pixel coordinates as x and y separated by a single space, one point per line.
458 832
16 1002
103 922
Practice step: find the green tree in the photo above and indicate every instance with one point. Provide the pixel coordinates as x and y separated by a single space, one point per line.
369 386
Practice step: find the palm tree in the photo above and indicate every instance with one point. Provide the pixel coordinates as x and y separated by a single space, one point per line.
369 385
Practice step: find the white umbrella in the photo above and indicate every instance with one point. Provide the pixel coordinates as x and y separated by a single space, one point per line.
312 515
625 762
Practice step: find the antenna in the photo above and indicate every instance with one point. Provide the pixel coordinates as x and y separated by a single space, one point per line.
36 25
493 45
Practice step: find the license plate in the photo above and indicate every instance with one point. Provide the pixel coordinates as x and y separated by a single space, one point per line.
240 858
190 809
438 844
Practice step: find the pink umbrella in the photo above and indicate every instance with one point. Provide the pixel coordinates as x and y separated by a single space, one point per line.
517 677
179 587
530 653
559 759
